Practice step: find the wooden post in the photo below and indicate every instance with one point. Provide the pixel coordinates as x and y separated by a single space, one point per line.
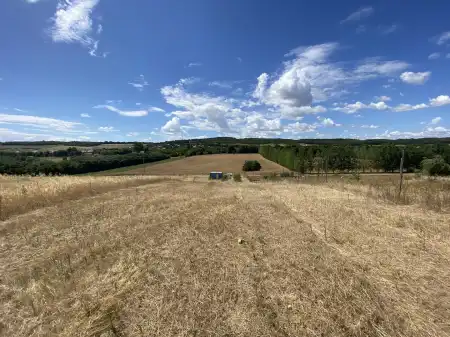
326 169
401 174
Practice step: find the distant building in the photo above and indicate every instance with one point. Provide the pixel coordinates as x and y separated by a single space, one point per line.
215 175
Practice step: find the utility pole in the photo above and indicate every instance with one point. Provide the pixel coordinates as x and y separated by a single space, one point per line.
401 173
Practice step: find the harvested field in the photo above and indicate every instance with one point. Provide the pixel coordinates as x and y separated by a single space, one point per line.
183 258
205 164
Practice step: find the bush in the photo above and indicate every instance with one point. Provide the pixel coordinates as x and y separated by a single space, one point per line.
251 165
435 167
285 174
237 177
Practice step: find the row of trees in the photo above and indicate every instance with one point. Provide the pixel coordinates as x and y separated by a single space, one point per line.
346 158
75 165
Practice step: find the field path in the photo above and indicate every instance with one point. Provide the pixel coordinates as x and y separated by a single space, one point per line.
194 258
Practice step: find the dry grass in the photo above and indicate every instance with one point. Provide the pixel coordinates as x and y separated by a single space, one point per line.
179 258
207 163
22 194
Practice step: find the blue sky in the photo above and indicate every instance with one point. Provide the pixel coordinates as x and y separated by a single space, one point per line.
164 69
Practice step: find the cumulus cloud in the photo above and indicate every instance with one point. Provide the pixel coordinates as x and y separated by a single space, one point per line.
436 120
172 127
261 86
327 122
440 100
408 107
132 134
72 23
371 126
140 83
361 13
85 115
418 78
137 113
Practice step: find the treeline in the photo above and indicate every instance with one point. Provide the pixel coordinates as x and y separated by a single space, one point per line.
21 165
347 158
217 149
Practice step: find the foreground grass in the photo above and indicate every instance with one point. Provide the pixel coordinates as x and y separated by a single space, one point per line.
135 169
22 194
226 259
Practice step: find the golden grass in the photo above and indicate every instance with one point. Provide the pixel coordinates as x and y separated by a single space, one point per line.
205 164
21 194
184 258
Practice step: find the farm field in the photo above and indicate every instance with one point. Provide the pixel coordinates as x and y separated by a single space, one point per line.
206 163
140 169
177 257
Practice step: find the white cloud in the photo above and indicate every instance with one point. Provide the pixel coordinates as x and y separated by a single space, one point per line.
384 68
298 112
379 106
351 108
19 110
383 98
359 14
140 83
328 122
440 100
172 127
156 109
32 1
239 59
434 56
371 126
221 84
99 29
296 128
386 30
447 56
261 86
107 129
408 107
436 120
132 134
443 38
415 78
85 115
39 122
195 64
72 23
138 113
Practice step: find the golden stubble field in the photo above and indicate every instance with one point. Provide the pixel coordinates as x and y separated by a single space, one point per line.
186 258
204 164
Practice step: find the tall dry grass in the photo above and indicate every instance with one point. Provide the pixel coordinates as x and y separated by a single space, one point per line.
19 194
185 258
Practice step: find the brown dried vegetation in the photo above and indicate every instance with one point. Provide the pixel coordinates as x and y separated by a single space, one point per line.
184 258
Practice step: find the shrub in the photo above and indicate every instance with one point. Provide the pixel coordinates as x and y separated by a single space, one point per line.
285 174
435 167
251 165
237 177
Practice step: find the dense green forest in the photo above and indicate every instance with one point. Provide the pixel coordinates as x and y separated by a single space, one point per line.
73 165
351 158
